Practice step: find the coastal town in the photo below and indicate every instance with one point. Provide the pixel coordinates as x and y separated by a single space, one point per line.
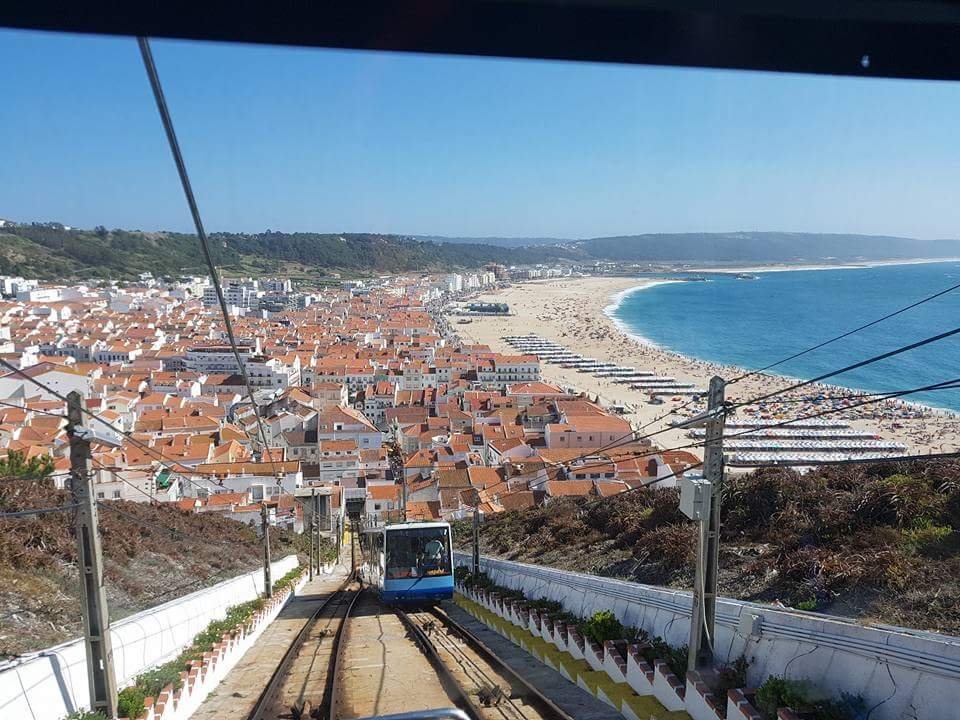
480 361
366 396
405 396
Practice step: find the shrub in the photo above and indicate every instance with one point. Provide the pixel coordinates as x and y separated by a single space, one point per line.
544 605
130 702
657 648
848 707
601 627
927 539
288 580
634 634
730 677
677 659
776 692
481 581
151 683
154 681
665 552
565 618
461 575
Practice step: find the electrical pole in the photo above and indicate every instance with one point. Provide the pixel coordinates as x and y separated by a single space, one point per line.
93 599
339 537
353 553
265 528
703 615
310 529
316 527
476 541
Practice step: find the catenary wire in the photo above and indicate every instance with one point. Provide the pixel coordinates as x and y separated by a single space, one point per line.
926 299
38 511
630 437
162 108
33 410
158 455
946 385
854 366
627 457
108 505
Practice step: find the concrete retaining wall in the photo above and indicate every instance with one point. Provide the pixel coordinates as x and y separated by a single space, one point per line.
904 673
53 683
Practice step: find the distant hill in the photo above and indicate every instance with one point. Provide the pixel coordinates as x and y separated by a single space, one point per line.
509 242
735 247
759 247
51 251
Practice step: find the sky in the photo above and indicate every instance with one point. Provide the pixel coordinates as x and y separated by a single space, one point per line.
342 141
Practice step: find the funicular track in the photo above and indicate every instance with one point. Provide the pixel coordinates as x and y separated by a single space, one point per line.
301 684
357 658
488 687
382 668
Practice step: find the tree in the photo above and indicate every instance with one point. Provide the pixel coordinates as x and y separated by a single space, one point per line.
16 465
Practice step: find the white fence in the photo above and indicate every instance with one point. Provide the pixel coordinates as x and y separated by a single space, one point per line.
902 674
52 683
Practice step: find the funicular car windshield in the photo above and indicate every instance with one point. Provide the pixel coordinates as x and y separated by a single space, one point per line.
418 552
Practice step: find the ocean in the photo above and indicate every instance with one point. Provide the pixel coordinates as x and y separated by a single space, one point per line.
752 323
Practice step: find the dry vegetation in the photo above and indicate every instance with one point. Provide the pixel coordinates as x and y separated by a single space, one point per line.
152 554
879 542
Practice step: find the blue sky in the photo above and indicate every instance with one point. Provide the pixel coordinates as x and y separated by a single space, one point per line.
298 139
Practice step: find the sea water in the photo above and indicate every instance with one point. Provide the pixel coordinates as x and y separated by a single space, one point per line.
752 323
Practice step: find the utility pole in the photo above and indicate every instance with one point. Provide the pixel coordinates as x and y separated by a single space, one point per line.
93 599
403 496
339 538
265 529
316 527
476 541
353 552
310 529
704 611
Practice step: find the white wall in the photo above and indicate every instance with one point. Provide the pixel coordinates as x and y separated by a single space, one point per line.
914 674
52 683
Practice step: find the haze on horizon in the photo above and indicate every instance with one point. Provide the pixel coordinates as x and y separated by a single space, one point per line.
331 141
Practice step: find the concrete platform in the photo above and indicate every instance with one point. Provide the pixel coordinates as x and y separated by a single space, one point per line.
575 701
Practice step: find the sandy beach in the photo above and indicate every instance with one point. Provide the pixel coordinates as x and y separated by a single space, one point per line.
570 311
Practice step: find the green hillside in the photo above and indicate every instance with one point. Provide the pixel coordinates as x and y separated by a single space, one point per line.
49 251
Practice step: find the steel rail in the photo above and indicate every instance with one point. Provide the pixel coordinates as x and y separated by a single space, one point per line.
338 645
544 705
275 681
458 692
475 670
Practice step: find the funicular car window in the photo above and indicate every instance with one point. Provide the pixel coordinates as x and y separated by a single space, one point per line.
418 552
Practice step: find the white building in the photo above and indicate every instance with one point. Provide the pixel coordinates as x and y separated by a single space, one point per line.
454 282
59 379
15 285
262 480
208 359
242 294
